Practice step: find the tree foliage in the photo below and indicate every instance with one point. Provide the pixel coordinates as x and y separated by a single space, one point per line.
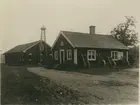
125 32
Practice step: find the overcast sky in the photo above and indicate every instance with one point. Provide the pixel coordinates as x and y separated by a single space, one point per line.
21 20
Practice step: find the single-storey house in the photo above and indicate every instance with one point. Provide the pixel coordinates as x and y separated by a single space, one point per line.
88 49
33 53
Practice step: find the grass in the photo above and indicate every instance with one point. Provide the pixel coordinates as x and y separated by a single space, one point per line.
22 87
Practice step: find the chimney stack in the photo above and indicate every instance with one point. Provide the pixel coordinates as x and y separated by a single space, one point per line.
92 30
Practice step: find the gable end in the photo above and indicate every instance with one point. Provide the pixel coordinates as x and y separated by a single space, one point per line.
61 33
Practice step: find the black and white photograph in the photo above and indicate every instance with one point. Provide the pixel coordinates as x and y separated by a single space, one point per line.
69 52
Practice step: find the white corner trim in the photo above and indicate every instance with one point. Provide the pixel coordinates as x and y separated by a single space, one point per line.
61 33
31 46
75 56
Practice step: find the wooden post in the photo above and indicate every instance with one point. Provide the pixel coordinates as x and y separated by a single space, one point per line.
75 56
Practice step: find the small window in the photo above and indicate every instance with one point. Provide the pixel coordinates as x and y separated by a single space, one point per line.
91 55
69 54
61 43
56 55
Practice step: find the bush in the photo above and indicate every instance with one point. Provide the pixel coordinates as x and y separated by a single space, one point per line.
134 56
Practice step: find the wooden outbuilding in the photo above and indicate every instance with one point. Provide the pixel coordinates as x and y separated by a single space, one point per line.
33 53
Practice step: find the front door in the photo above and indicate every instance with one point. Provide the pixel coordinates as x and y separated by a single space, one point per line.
62 56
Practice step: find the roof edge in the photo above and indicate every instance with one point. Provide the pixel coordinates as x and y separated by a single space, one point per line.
31 46
61 33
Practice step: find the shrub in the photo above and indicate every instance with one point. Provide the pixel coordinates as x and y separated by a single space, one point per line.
134 56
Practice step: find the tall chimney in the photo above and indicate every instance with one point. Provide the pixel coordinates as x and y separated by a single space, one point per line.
92 29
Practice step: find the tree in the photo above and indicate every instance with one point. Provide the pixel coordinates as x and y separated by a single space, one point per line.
125 32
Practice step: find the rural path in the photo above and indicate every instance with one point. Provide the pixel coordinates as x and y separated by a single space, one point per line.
113 88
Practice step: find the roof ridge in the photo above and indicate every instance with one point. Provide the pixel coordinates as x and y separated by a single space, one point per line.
84 33
75 32
28 43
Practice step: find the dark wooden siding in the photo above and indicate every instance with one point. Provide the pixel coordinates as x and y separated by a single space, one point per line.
35 50
13 58
65 47
104 53
22 58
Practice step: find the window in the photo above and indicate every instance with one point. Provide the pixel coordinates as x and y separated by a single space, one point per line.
56 55
114 55
120 55
91 55
69 54
30 57
62 43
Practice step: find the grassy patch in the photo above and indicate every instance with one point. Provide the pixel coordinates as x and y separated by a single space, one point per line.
22 87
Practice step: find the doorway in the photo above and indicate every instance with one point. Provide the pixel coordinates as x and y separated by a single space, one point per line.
62 56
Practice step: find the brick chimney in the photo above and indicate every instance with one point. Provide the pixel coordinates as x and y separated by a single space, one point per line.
92 29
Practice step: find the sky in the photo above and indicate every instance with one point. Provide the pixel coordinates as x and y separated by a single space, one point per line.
21 20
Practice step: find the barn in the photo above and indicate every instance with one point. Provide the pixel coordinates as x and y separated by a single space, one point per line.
28 54
33 53
88 49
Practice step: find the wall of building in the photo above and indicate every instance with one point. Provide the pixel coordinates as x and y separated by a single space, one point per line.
58 46
24 58
104 53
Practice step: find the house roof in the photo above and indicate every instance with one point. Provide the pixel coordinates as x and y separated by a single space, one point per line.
85 40
23 47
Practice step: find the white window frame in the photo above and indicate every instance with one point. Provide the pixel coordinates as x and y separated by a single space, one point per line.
69 54
89 53
113 54
56 55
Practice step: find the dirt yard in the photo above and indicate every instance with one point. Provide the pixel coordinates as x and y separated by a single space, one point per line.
112 88
18 86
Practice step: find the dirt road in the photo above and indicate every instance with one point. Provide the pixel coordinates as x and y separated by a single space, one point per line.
114 88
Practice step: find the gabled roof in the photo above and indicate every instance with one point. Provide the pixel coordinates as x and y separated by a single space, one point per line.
23 47
85 40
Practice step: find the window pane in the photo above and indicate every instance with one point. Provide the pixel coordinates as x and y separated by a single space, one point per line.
93 52
89 57
69 54
93 57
